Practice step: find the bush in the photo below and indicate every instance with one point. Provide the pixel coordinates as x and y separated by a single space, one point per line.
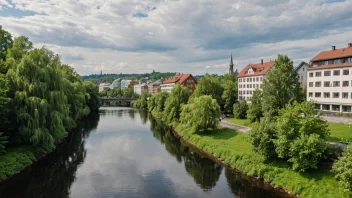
3 141
240 110
343 168
201 113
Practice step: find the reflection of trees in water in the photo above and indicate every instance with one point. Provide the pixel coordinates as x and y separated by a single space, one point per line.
204 171
143 116
53 176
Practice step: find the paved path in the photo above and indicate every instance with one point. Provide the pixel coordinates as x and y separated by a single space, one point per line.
229 125
344 120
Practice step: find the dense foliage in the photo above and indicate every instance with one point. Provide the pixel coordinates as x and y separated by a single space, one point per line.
230 93
3 141
201 114
280 87
179 96
240 110
343 168
156 103
142 102
210 85
255 111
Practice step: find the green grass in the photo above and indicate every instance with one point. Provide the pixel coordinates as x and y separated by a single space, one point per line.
234 148
15 159
242 122
340 132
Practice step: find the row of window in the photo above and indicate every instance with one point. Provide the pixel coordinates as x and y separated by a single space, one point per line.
328 95
248 92
336 61
250 86
251 79
329 84
345 72
244 98
326 107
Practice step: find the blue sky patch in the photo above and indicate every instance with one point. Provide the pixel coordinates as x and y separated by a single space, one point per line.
139 14
12 12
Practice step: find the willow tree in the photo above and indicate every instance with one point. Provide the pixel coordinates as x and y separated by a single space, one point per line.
179 96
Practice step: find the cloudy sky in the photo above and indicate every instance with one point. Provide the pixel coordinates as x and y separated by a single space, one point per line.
188 36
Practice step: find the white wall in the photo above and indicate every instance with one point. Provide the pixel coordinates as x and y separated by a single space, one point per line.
243 90
167 87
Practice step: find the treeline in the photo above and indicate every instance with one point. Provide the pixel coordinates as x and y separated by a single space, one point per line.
111 77
41 99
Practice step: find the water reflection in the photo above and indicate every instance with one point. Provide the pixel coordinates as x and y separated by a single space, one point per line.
113 154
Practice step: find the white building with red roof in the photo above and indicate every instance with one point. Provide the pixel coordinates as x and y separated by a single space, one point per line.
186 80
330 80
251 78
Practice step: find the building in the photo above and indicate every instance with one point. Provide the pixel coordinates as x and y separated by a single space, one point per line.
154 87
231 66
186 80
103 86
251 78
125 83
330 80
115 84
301 70
140 88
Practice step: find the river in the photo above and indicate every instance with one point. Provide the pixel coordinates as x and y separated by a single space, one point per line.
122 152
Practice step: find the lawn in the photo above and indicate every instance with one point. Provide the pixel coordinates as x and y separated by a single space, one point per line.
234 147
338 132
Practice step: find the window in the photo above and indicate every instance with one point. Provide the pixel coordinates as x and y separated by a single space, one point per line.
261 79
250 92
327 84
349 60
337 61
336 72
326 107
311 74
317 74
346 72
336 83
257 79
336 107
261 69
310 84
326 94
345 95
327 73
345 83
240 80
250 85
317 94
310 94
346 109
303 69
326 62
244 80
336 95
247 92
317 106
240 86
318 84
253 79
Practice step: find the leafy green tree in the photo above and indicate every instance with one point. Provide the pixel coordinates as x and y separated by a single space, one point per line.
201 113
210 85
142 102
280 87
5 44
301 135
3 141
255 111
262 136
343 168
229 95
156 103
92 99
240 110
179 96
115 93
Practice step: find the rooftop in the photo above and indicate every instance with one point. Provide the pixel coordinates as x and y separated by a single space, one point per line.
180 78
258 69
334 53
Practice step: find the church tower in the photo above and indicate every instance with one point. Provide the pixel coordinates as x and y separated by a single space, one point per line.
231 66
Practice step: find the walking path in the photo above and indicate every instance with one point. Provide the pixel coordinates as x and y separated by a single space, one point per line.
344 120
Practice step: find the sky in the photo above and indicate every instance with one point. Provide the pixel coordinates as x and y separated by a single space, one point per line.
186 36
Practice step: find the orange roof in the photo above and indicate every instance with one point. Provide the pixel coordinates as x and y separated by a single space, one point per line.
332 54
180 78
266 67
330 66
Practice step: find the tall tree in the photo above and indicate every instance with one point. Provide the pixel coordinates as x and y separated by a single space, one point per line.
255 111
210 85
5 44
179 96
93 101
230 92
280 87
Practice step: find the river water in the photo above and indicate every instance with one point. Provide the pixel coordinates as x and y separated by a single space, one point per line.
122 152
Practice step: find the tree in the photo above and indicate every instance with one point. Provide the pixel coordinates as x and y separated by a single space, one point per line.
229 95
92 100
240 110
201 113
255 111
343 168
280 87
5 44
156 103
301 135
210 85
3 141
142 102
179 96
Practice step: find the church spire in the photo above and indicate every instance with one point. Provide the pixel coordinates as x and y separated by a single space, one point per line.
231 66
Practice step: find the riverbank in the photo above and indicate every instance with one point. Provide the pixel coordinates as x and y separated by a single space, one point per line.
233 149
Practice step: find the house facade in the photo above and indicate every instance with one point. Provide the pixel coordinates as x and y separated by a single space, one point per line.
103 86
153 87
186 80
251 78
125 83
301 70
140 88
330 80
115 84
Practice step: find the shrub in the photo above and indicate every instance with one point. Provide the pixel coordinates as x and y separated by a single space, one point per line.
343 168
255 111
3 141
240 110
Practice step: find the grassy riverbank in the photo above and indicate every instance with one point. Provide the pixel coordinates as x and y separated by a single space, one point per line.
338 132
234 148
15 160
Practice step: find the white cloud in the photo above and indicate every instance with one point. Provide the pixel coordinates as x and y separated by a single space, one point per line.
180 36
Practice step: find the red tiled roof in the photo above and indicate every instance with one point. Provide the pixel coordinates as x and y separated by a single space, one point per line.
332 54
256 68
330 66
180 78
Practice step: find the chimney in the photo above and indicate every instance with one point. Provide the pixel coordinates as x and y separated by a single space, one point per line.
333 48
262 61
349 45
